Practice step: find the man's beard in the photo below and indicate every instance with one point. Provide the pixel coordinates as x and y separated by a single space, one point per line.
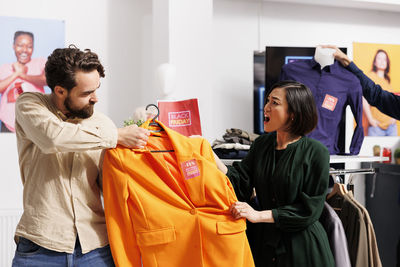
82 113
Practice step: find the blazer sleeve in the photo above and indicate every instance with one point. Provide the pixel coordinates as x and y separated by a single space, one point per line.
241 176
121 234
206 150
308 207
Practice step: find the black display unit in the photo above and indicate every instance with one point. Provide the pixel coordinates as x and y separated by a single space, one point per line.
382 199
277 56
258 91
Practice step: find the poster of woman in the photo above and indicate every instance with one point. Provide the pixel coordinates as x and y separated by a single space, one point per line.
24 46
380 62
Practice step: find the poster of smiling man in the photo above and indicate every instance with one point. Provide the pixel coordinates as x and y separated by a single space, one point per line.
381 63
25 44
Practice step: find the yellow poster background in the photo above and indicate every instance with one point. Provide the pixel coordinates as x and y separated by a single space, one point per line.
363 57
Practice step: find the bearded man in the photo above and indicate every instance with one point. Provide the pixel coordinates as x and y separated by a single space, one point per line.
60 139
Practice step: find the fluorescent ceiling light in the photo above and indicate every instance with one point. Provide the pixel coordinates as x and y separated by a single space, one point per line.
391 2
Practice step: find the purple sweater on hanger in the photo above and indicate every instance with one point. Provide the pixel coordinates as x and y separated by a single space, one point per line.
334 88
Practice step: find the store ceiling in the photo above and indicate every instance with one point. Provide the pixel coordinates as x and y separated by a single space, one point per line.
379 5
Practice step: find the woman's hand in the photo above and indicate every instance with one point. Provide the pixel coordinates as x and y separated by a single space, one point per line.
244 210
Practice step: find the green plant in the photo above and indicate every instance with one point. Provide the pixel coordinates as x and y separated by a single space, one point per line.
130 121
397 153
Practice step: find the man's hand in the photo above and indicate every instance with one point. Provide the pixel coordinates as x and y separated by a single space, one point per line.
133 136
339 55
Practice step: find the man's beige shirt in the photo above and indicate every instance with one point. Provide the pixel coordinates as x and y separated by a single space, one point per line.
60 163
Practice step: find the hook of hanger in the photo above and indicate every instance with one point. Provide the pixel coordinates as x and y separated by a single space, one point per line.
158 111
350 181
350 185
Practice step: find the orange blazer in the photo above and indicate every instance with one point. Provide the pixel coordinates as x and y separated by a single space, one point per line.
170 209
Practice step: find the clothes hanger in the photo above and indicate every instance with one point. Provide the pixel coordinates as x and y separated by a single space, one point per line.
154 123
338 189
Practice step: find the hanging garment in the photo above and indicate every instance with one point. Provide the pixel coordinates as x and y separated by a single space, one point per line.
373 252
354 227
334 88
171 208
337 237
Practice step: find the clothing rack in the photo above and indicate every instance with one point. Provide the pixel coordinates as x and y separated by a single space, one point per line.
350 185
347 159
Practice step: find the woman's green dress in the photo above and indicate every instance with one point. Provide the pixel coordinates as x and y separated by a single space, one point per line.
294 188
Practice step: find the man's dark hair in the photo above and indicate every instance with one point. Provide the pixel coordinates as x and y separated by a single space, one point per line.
303 117
63 63
19 33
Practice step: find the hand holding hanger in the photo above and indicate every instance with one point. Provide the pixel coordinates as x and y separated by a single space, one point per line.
133 136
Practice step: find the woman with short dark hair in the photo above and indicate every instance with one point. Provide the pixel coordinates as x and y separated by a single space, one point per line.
289 173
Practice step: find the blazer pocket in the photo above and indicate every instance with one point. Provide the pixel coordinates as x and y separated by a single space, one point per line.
156 237
231 227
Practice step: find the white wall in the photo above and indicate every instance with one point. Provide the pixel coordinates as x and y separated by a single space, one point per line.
191 53
10 182
129 51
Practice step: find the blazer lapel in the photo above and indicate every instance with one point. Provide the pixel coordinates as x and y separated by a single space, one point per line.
189 163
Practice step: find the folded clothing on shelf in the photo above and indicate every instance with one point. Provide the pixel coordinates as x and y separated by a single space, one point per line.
234 135
230 153
234 145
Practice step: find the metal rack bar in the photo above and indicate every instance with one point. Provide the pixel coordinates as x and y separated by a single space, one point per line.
353 171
